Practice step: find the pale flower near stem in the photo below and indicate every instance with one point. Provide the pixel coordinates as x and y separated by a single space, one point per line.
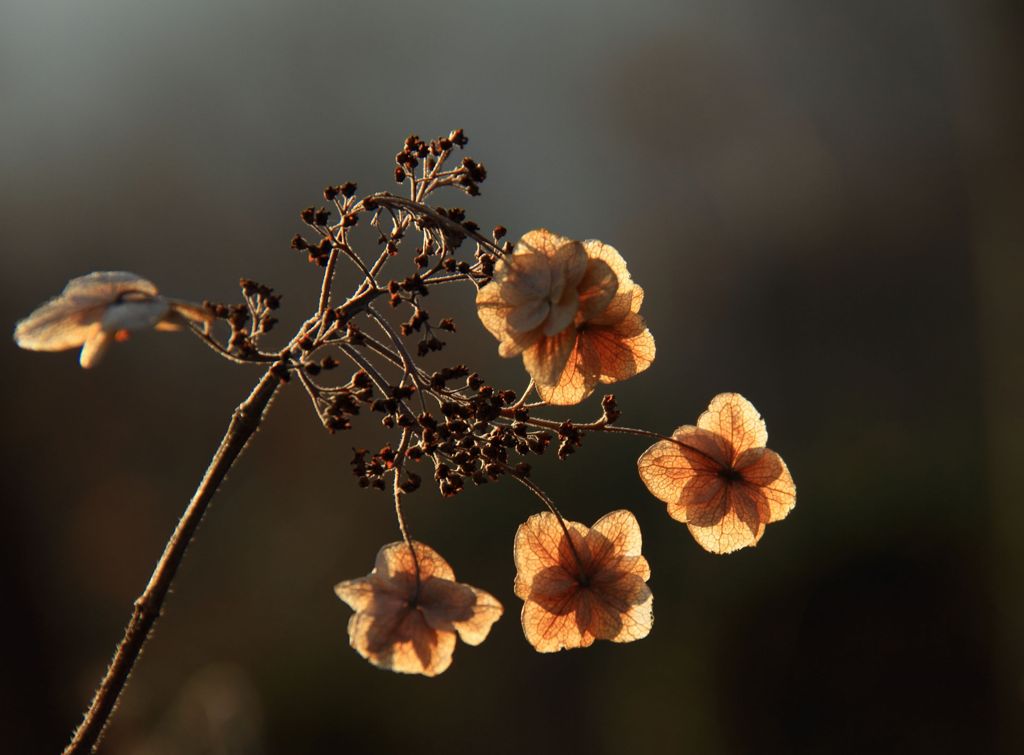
572 310
96 309
719 478
581 584
569 308
409 610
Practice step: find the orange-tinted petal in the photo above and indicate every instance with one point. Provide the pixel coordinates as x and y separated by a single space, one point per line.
597 289
726 496
401 640
617 352
576 380
770 474
486 610
540 544
550 628
680 475
568 602
617 534
628 295
542 241
568 264
455 607
737 521
395 561
411 627
548 359
736 422
598 250
625 607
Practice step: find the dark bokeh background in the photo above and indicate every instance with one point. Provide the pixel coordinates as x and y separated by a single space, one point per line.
824 203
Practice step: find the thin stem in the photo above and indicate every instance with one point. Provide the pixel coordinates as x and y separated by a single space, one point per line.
522 399
244 422
213 344
403 528
383 350
325 288
528 483
390 200
602 426
649 434
340 243
409 363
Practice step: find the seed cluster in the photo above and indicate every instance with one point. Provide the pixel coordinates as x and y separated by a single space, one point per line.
466 429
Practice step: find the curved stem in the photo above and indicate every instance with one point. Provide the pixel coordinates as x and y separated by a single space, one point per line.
397 487
207 339
528 483
244 422
390 200
604 427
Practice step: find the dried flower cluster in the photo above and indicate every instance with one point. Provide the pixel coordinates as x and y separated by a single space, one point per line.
719 478
572 312
582 584
410 608
96 309
571 309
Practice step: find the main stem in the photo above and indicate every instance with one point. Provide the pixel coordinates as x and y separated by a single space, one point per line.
244 422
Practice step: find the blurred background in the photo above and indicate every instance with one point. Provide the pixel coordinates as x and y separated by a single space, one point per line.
824 204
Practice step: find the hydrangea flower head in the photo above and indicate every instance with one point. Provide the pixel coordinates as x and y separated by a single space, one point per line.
96 309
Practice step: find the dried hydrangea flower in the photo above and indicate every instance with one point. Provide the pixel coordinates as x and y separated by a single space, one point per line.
96 309
572 310
592 588
719 478
409 625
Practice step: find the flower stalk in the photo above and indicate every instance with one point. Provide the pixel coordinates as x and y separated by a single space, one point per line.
569 308
244 422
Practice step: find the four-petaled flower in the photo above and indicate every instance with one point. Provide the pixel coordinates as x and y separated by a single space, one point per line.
96 309
572 310
719 478
592 587
407 624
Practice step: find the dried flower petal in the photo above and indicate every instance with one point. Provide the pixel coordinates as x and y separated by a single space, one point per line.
408 627
719 478
571 309
534 291
96 309
592 588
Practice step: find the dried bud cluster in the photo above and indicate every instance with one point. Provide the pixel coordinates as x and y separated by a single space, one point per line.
569 308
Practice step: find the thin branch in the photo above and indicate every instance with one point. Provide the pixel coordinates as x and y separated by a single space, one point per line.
390 200
217 347
244 422
325 288
397 487
529 484
340 243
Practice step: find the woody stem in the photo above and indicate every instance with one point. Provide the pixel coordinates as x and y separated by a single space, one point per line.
244 422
